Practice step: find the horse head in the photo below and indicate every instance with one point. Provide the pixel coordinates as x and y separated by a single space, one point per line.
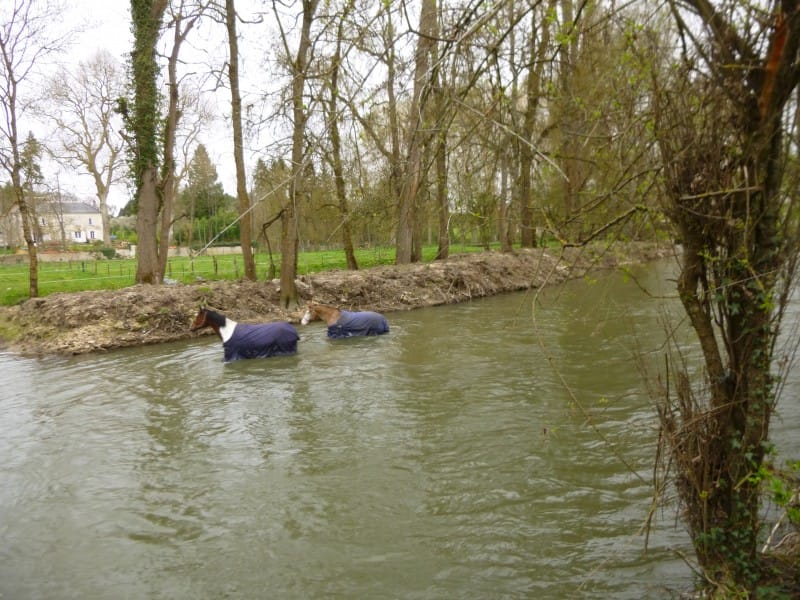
200 320
329 314
309 314
209 318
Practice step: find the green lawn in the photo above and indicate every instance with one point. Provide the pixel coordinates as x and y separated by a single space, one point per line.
75 276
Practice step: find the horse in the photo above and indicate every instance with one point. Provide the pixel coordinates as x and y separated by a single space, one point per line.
344 323
242 340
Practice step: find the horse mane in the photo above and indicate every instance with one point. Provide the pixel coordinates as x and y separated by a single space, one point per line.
214 317
208 318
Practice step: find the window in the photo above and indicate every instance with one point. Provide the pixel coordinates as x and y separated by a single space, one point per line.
91 234
77 235
90 222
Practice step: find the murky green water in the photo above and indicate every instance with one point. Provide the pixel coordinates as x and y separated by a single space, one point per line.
474 452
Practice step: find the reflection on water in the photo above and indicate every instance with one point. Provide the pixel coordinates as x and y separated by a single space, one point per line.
480 450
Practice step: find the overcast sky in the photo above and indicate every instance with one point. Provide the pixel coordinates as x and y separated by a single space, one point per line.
107 26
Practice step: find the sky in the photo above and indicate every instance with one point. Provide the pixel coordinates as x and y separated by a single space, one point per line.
107 27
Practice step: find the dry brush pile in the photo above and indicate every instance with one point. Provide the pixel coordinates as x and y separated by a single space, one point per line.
83 322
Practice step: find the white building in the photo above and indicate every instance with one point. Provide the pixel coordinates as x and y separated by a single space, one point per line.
65 222
80 221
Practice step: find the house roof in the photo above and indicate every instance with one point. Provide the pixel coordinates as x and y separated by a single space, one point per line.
78 208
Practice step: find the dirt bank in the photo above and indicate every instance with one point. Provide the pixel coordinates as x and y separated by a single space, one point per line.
91 321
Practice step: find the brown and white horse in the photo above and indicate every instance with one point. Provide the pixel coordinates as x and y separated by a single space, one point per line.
241 340
345 323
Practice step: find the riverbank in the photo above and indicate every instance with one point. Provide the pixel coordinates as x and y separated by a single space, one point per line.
78 323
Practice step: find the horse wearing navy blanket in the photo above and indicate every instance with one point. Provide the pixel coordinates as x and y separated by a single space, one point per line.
241 340
345 323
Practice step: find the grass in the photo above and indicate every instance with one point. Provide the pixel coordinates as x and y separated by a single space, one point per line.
83 275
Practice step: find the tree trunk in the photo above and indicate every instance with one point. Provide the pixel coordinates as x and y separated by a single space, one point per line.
724 172
146 16
105 217
336 151
532 95
569 116
30 242
289 234
503 207
26 215
245 219
146 226
407 209
166 184
442 199
395 158
440 159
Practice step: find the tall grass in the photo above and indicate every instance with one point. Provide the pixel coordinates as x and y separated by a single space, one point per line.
82 275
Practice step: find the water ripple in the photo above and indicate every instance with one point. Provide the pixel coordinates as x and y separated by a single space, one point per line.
444 460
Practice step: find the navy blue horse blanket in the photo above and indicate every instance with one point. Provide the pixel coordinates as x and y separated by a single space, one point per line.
261 341
358 323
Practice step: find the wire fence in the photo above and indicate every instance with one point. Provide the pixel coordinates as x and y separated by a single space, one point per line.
80 275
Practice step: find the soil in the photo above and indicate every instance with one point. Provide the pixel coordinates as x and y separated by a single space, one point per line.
77 323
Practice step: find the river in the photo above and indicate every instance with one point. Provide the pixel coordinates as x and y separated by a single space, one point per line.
480 450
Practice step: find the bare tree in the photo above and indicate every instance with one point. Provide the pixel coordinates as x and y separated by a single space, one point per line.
25 40
382 127
81 103
196 116
184 15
